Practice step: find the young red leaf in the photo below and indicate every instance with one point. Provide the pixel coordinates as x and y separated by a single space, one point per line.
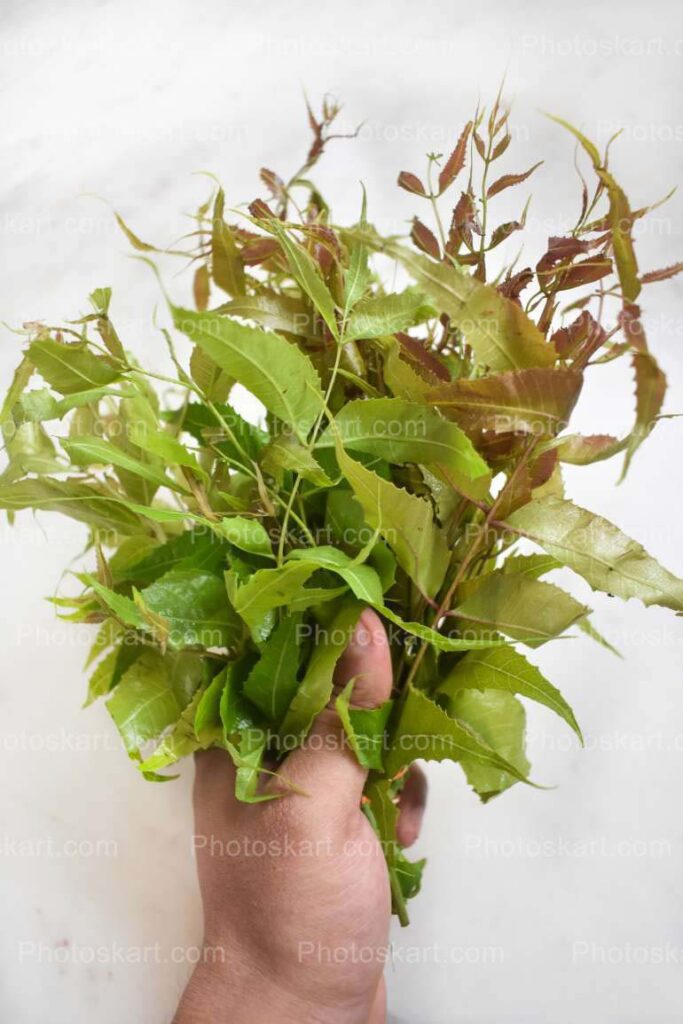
507 180
456 160
411 183
425 239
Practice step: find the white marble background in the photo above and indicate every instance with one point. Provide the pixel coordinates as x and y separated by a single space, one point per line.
128 99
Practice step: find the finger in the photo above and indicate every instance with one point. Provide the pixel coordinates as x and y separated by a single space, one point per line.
411 805
325 765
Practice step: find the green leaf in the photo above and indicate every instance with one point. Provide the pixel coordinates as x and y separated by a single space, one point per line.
530 565
306 274
248 535
521 607
316 686
499 720
226 266
401 431
264 591
365 584
387 314
80 501
362 579
364 727
71 367
273 369
498 330
404 520
102 678
285 453
195 606
208 724
160 443
144 704
272 682
281 313
180 742
123 608
22 376
425 731
507 670
85 451
248 759
357 276
597 550
620 217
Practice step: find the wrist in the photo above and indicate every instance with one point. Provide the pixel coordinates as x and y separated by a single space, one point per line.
226 990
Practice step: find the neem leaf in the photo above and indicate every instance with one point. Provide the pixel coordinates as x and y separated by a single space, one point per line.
533 401
499 720
597 550
404 520
401 431
80 501
505 669
208 724
144 704
387 314
272 682
273 369
364 728
248 535
267 589
425 731
362 579
282 313
86 451
620 217
195 606
286 453
161 443
521 607
304 270
501 334
71 367
315 689
226 266
180 742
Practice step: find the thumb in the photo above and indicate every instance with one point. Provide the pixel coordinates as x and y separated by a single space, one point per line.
325 764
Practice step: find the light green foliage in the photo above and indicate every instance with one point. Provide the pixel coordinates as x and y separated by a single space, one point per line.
416 404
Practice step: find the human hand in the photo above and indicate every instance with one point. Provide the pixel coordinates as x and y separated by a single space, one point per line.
295 891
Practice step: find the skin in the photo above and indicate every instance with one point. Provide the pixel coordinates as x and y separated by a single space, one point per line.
300 934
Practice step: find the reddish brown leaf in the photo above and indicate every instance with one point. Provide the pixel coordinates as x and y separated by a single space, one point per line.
424 239
479 143
662 275
201 287
513 286
503 231
585 272
535 401
456 160
580 339
273 182
260 210
507 180
416 352
501 146
259 249
411 183
582 450
463 223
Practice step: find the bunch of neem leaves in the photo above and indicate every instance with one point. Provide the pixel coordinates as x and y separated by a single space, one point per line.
410 440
